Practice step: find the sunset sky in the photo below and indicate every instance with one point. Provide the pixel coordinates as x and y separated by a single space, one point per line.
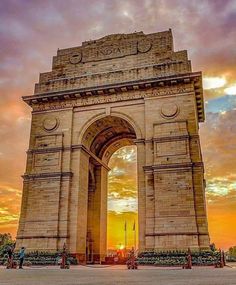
32 31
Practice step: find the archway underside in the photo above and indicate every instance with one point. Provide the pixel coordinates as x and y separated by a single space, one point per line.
107 135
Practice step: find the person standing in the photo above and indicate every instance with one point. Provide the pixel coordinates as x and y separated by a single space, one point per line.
21 256
10 257
10 253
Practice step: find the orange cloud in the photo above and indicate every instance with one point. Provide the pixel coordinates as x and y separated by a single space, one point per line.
221 218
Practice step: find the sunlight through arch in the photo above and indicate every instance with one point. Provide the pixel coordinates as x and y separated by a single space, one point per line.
122 199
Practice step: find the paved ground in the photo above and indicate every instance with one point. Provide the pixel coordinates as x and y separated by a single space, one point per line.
118 275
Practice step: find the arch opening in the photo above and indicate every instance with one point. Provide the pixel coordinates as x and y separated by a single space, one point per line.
122 227
102 139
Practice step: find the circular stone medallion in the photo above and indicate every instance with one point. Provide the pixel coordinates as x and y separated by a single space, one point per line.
169 110
144 45
50 124
76 58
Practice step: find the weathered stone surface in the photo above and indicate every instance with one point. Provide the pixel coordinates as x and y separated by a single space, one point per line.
108 93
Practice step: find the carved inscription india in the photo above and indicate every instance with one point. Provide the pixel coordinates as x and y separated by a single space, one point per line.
109 51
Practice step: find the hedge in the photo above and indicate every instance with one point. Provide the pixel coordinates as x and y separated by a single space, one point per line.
178 258
40 258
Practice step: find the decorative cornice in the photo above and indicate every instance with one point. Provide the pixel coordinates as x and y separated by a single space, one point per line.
139 141
46 150
172 167
59 175
171 138
173 80
37 236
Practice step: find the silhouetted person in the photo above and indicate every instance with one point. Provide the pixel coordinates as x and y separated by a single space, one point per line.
21 256
10 256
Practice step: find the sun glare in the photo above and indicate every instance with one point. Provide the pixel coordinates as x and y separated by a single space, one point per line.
213 82
231 90
125 13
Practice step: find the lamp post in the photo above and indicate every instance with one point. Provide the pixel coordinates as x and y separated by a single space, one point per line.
134 230
125 235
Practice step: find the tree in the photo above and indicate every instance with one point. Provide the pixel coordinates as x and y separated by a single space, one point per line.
213 247
5 241
232 252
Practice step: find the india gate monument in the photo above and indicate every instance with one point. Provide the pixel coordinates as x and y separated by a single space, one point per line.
119 90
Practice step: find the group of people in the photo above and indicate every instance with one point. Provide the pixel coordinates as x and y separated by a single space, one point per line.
10 253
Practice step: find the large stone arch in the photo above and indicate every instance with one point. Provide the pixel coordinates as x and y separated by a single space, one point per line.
101 137
158 102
